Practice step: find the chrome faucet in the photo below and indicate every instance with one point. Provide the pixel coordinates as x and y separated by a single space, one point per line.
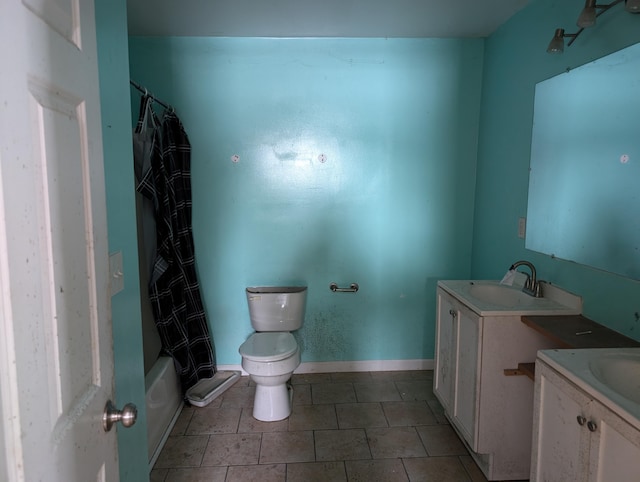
531 286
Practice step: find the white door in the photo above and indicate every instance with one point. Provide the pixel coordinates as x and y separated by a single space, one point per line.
615 447
445 332
466 381
560 436
56 359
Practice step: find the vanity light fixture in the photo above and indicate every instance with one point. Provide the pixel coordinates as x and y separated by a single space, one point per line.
590 11
587 19
556 46
632 6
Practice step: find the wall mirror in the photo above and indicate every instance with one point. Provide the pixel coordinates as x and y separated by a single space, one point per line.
584 181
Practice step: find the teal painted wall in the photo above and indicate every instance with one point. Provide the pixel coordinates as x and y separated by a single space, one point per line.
515 60
111 25
390 209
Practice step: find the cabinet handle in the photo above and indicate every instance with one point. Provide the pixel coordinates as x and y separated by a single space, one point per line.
591 425
581 420
452 313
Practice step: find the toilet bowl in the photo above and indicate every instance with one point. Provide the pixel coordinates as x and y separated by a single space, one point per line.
271 355
270 373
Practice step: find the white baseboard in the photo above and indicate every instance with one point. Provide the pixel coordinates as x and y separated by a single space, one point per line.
353 366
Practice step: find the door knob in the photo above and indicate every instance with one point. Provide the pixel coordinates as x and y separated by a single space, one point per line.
127 415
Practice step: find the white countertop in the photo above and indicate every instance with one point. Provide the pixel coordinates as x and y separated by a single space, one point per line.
555 301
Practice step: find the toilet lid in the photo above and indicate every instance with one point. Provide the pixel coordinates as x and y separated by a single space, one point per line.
269 346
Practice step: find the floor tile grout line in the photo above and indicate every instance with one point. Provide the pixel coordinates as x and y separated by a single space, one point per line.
335 412
466 471
315 447
404 466
366 435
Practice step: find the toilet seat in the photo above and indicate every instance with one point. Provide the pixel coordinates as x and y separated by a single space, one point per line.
269 346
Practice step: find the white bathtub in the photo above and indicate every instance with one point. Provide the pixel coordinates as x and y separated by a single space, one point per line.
164 403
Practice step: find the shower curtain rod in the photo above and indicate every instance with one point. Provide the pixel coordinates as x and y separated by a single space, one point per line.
146 92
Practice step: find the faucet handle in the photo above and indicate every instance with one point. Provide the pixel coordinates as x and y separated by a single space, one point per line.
538 290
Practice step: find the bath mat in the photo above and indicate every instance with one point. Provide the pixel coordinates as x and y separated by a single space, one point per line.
208 389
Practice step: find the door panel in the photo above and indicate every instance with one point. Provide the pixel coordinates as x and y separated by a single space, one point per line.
57 359
615 448
445 332
59 15
70 317
465 406
562 443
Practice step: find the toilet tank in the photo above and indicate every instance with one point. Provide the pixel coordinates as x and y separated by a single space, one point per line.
277 308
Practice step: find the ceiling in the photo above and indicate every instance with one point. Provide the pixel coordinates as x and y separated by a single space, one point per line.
320 18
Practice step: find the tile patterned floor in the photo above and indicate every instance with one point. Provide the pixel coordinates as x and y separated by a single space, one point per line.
369 426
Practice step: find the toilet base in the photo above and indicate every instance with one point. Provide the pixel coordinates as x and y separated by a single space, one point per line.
272 403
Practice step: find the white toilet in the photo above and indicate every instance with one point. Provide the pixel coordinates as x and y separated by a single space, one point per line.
271 354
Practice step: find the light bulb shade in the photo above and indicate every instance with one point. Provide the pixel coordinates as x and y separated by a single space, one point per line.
632 6
587 18
556 46
588 15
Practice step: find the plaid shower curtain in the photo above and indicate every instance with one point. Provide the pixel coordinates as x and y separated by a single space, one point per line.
173 288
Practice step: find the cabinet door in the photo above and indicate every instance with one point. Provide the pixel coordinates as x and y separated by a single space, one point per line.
466 384
561 439
615 448
445 331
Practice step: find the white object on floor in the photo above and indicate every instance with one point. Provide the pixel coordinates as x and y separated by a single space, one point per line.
208 389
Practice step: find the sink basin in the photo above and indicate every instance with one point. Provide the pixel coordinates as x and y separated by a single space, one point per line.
501 295
490 298
620 373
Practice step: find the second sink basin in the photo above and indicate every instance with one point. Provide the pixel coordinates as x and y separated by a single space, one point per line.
620 372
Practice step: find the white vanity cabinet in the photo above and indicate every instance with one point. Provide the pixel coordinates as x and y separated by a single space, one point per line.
491 411
576 437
